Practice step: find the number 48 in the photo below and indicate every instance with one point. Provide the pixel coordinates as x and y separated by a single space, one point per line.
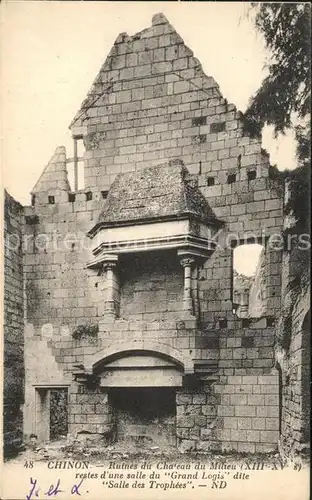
28 464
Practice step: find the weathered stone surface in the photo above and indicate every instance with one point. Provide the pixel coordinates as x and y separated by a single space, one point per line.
156 135
160 191
13 391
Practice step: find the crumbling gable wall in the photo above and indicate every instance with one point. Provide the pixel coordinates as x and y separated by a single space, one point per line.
150 103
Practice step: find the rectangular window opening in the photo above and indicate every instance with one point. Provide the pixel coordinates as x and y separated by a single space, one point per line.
270 322
71 197
231 178
31 219
248 342
89 196
199 120
223 323
199 139
215 128
251 175
104 194
51 200
246 322
75 165
210 181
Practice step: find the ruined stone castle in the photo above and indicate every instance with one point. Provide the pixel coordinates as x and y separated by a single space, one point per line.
121 301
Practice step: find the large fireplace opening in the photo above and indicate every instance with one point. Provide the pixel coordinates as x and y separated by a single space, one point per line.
145 415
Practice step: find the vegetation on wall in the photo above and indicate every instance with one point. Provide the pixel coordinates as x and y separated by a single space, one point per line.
85 331
283 100
58 413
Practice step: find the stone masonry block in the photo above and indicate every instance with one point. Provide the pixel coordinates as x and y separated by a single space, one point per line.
184 399
179 64
267 411
244 389
209 410
200 420
239 399
183 433
76 409
244 423
269 436
246 447
269 389
238 435
230 422
253 436
186 421
102 408
206 433
98 419
88 408
187 445
259 423
161 67
265 448
267 379
255 399
192 409
245 411
199 399
272 424
226 411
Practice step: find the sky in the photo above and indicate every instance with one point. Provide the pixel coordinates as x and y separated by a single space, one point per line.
52 51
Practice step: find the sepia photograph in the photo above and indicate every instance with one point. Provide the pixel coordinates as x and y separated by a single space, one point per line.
155 161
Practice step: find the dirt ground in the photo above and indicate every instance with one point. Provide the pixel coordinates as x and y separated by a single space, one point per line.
126 450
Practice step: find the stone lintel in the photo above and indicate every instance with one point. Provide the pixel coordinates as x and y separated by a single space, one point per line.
78 131
200 248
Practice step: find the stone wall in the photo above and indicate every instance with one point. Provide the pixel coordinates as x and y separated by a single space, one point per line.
293 345
90 411
60 290
239 408
13 322
151 285
160 105
293 361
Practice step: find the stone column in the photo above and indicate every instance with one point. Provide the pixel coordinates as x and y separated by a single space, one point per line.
244 305
187 263
195 290
112 290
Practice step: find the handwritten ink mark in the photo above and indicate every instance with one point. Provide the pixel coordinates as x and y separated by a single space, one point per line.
32 491
75 488
54 490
